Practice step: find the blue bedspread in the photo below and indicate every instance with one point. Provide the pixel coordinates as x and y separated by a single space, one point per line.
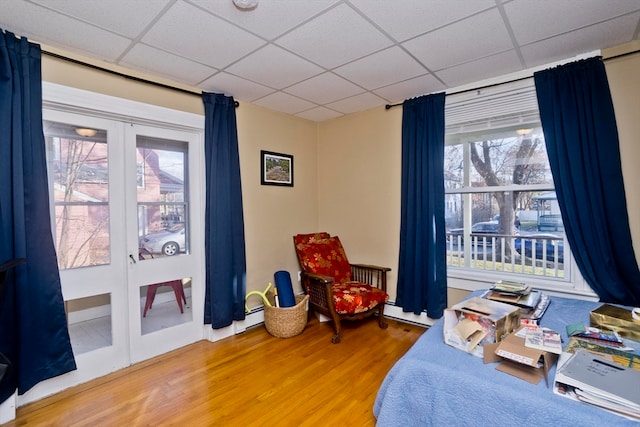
437 385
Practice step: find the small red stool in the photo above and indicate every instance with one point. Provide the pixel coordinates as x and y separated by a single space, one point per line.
178 290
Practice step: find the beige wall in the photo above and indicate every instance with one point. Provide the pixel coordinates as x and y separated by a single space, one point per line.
359 160
347 170
624 80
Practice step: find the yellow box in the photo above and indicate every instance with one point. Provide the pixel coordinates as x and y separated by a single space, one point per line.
616 319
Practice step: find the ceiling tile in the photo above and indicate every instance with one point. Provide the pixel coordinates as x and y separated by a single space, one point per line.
274 67
382 68
270 19
319 114
616 31
494 65
191 33
403 19
326 57
42 26
237 87
108 14
481 35
364 101
284 102
410 88
324 88
334 38
155 61
530 22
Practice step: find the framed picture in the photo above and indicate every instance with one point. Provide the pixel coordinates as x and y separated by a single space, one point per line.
276 168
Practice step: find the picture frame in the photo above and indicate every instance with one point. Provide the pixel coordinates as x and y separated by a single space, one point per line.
276 168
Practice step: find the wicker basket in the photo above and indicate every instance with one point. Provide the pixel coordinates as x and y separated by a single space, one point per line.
286 322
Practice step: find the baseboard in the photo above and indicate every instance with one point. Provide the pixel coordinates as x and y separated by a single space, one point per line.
8 409
255 317
392 311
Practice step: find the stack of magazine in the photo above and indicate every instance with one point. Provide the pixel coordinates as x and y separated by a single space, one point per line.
600 381
532 303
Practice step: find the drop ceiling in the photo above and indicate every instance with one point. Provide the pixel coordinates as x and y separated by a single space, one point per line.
321 59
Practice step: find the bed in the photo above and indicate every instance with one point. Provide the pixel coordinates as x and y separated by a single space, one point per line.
434 384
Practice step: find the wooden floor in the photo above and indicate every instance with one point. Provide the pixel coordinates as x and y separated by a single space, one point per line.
251 379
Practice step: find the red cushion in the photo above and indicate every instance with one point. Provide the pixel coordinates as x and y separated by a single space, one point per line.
355 297
309 238
326 257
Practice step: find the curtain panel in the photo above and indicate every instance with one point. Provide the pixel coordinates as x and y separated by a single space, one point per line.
422 271
33 324
579 125
225 283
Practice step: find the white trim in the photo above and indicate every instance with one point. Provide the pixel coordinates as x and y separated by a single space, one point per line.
392 311
8 409
65 98
256 317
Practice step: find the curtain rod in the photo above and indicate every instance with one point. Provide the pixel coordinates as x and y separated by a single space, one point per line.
389 106
126 76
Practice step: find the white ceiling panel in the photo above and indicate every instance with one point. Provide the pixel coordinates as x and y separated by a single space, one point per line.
271 18
108 14
462 42
155 61
285 102
532 23
197 35
43 26
403 19
364 101
320 59
491 66
325 88
411 88
235 86
274 67
335 38
581 41
382 68
319 114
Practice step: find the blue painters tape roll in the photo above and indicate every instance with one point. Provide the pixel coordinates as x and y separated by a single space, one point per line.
285 288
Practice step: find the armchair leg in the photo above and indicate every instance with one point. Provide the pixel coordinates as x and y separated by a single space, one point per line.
381 322
337 337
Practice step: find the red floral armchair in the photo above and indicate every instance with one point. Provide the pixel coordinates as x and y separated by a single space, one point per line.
336 288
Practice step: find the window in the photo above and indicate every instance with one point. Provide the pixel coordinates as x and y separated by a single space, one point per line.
502 216
79 170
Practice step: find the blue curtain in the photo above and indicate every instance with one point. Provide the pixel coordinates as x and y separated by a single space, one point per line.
33 325
580 131
224 224
422 270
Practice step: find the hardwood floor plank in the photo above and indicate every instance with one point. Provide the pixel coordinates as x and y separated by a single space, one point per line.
251 379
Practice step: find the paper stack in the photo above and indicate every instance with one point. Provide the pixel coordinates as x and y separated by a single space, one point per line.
600 381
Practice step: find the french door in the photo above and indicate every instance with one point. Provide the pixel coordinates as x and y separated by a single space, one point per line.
127 222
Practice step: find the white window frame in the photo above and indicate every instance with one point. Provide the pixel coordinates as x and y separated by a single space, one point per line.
485 109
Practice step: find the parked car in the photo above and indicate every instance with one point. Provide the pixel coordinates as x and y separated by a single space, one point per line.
488 227
168 242
550 241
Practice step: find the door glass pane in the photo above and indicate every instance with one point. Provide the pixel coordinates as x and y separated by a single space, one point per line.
78 167
166 304
162 189
89 322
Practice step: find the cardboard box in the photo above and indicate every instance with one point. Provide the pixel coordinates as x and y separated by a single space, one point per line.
516 359
616 319
473 323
